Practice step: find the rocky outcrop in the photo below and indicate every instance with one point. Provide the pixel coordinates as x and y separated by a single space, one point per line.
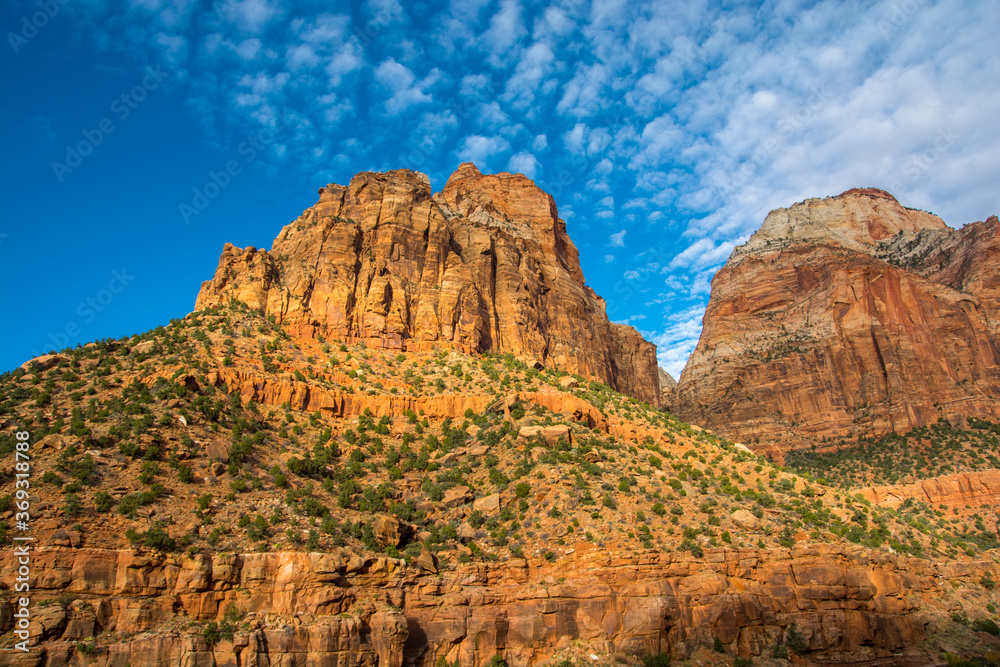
964 492
486 264
668 385
848 604
848 316
635 360
338 404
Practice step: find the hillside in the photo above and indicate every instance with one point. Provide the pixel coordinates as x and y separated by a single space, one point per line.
251 485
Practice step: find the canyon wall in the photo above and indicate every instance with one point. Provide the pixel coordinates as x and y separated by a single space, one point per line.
848 604
848 316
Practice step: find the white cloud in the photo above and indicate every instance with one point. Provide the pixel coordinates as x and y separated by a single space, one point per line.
251 16
346 59
523 163
385 11
585 93
534 64
479 149
506 29
490 115
249 49
677 341
659 141
631 319
703 252
583 140
618 239
301 56
475 85
406 89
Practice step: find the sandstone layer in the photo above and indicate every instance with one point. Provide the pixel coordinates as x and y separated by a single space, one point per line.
965 492
849 316
342 609
486 264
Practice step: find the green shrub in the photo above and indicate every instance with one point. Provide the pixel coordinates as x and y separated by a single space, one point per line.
103 501
986 625
154 538
794 639
658 660
73 505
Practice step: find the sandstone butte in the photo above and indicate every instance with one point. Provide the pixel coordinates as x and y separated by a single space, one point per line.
848 316
486 264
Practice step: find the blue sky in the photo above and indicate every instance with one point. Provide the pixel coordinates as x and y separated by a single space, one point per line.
665 131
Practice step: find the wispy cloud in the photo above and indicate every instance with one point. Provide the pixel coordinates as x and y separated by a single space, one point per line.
481 150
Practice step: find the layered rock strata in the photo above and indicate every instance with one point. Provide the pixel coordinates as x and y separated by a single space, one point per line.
848 605
848 316
964 492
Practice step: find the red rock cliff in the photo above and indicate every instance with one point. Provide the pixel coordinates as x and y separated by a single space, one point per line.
851 606
486 264
851 315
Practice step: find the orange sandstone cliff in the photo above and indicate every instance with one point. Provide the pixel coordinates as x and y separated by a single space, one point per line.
486 264
849 316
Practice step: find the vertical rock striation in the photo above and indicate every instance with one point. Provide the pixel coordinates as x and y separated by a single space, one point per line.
486 264
849 316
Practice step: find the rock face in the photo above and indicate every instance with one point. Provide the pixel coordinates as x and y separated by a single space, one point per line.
486 264
849 605
849 316
964 492
668 385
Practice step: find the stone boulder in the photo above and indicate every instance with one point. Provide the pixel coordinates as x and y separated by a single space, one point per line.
745 519
44 362
487 504
455 496
218 449
389 532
